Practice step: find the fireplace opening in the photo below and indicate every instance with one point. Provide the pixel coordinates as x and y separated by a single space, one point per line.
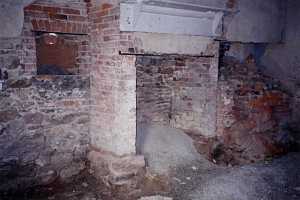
59 54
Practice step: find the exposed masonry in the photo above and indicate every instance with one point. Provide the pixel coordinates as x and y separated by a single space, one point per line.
179 91
48 123
253 113
44 120
73 45
113 100
71 18
44 129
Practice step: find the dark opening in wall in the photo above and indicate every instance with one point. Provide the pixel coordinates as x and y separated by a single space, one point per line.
58 54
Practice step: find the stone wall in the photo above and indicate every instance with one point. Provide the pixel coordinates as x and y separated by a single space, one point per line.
44 129
179 91
11 51
44 123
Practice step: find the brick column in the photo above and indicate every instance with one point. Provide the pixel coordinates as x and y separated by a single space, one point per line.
113 83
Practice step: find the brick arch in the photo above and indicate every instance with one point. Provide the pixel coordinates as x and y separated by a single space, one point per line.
55 17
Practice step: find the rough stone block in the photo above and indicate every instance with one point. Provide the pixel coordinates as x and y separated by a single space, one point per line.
117 170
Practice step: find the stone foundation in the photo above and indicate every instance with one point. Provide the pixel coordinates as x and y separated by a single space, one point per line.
44 129
44 120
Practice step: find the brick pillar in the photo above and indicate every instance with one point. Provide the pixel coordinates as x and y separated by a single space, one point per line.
113 83
113 98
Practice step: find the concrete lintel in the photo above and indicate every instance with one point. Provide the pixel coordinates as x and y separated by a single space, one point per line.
154 43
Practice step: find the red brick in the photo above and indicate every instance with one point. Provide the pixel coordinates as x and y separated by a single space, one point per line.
69 28
51 9
52 26
78 28
73 28
102 13
60 26
111 38
85 28
108 19
58 16
34 14
102 26
84 48
77 18
84 43
33 7
110 31
47 26
123 37
63 26
71 11
98 20
34 24
106 6
89 4
41 25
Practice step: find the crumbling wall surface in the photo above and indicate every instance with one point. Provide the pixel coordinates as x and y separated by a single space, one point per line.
282 61
253 113
44 130
179 91
44 120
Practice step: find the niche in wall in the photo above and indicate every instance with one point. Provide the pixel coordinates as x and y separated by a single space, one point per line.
177 91
59 54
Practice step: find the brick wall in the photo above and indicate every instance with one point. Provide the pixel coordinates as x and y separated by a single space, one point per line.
113 117
63 18
154 89
179 91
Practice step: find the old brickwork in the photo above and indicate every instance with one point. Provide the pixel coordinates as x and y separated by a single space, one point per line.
44 125
253 113
58 17
48 123
179 91
113 82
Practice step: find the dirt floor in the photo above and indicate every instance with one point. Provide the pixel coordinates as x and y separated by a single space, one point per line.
277 179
